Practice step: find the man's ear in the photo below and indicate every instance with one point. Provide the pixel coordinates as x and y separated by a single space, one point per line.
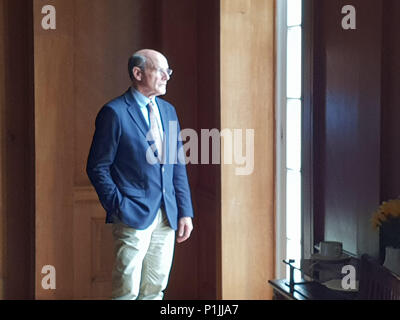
137 73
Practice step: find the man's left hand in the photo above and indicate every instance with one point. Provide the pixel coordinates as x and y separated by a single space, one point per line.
184 229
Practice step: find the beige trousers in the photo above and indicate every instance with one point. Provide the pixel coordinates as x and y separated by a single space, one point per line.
143 260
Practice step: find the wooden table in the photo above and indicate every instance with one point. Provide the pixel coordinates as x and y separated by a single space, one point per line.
307 291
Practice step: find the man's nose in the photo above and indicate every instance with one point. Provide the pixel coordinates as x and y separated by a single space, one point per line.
166 75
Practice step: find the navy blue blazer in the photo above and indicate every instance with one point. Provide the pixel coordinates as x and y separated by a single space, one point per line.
129 186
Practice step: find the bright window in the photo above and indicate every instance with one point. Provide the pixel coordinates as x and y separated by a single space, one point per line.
289 110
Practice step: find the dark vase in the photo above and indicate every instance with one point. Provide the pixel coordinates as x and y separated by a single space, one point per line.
389 236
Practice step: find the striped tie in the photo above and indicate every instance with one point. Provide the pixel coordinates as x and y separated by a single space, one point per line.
155 131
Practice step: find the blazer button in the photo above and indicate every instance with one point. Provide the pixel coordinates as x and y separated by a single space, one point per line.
156 153
162 169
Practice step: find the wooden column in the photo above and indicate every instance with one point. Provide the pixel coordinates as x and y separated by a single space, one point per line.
54 100
247 102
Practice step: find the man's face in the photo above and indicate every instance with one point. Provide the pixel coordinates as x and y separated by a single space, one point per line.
155 76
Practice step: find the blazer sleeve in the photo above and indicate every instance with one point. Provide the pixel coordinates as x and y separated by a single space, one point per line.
181 183
101 157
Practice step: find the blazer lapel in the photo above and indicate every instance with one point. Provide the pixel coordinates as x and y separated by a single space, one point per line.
136 114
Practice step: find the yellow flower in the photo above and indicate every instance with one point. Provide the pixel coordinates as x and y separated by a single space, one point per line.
391 207
386 210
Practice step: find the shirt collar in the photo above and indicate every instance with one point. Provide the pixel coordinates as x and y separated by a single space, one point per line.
141 99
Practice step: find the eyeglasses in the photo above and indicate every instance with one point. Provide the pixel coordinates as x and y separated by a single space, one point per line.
165 71
161 71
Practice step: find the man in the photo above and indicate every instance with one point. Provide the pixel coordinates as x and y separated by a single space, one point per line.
145 194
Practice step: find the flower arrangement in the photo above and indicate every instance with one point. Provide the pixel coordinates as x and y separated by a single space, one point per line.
388 209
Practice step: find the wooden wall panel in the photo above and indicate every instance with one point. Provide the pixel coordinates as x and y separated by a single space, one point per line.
247 102
208 187
17 149
348 113
390 151
3 32
190 40
93 249
179 45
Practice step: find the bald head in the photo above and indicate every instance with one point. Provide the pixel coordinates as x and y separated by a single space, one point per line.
150 55
149 71
144 58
